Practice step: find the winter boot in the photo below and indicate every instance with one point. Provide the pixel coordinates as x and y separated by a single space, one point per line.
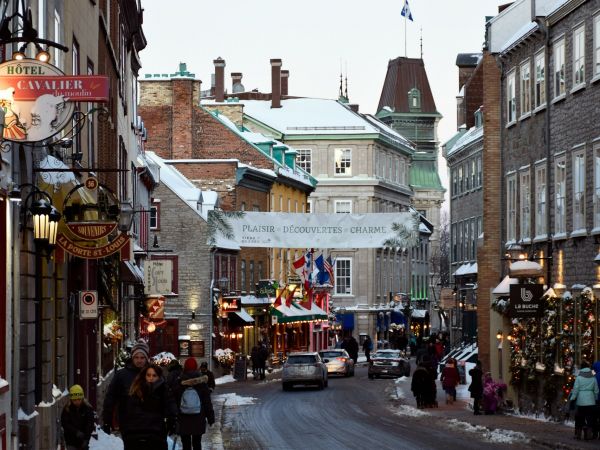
448 399
578 433
588 433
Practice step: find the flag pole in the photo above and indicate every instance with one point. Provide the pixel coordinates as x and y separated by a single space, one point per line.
405 34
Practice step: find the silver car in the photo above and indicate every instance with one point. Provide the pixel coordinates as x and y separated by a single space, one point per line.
338 362
304 368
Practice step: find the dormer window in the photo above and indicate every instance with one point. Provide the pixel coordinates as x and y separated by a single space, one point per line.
414 99
478 118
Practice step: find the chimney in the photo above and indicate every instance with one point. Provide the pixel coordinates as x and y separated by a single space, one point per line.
219 79
236 79
285 74
276 83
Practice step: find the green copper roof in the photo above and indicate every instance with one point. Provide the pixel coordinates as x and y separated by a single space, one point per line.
424 175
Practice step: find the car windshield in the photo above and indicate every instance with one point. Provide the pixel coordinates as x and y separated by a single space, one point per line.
386 355
302 359
331 354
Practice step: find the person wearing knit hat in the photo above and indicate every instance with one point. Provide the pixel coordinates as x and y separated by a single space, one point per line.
77 420
190 365
118 390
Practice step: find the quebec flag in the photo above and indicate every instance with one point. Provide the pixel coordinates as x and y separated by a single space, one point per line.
406 11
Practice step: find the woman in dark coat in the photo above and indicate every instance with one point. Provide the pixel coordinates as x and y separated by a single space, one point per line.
476 387
150 412
421 385
193 426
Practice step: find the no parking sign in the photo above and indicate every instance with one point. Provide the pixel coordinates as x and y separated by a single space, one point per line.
88 304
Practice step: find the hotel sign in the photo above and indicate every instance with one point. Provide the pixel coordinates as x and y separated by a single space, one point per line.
158 275
38 99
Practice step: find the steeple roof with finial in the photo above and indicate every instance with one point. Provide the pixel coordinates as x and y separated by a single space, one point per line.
403 75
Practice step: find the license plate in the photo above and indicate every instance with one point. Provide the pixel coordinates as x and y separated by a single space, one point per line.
384 371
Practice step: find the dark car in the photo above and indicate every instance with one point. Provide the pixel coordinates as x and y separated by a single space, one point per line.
338 362
388 363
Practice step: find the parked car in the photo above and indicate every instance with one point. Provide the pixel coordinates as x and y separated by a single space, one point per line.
304 368
338 362
390 363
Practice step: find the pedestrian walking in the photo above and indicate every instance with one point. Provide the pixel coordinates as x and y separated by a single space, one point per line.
476 387
421 384
118 390
431 390
352 348
367 347
195 406
585 393
255 361
174 371
210 377
263 355
450 379
151 412
77 420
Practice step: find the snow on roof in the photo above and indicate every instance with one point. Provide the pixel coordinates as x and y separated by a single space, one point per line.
307 116
524 266
388 131
265 171
504 287
462 270
521 32
184 188
467 138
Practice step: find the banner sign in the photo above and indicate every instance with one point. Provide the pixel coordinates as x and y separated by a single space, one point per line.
526 301
103 251
38 99
158 274
289 230
155 306
88 304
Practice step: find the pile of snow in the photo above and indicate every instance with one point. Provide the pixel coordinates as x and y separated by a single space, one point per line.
496 435
233 399
225 379
406 410
106 442
399 391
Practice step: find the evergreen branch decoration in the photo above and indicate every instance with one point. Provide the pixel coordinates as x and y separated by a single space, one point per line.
406 236
218 223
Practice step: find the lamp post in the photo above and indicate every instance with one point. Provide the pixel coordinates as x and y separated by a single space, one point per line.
45 225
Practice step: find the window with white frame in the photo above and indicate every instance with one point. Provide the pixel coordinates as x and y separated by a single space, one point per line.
479 172
243 275
597 186
343 161
540 79
511 99
454 255
460 180
511 208
525 204
540 201
343 276
454 182
473 173
468 176
343 206
473 238
154 219
579 190
304 158
525 87
596 67
309 206
559 67
58 39
41 19
579 56
560 180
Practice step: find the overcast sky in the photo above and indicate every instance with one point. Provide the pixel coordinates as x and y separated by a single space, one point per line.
314 38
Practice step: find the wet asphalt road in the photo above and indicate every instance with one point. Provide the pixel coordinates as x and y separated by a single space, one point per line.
352 413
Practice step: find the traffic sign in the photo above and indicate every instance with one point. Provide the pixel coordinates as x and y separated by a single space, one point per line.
88 304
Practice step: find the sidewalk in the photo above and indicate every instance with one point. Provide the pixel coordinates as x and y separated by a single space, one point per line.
459 416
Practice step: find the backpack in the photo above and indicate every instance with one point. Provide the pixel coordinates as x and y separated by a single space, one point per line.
190 402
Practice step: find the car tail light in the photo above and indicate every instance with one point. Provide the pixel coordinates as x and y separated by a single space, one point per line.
341 358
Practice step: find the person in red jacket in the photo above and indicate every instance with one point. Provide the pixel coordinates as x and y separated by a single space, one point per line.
450 379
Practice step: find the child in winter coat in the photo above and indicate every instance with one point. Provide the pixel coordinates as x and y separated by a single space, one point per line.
77 420
491 394
450 379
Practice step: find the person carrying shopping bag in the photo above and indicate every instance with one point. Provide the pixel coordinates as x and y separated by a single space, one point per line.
584 394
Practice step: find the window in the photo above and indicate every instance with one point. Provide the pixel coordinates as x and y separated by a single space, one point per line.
473 238
251 275
91 138
540 79
540 201
579 56
414 99
57 57
260 270
560 176
473 173
454 182
343 276
155 215
511 209
243 275
343 161
41 19
468 176
453 239
309 206
243 206
525 87
596 67
76 70
597 187
579 191
460 180
511 99
304 159
559 68
525 204
479 172
343 206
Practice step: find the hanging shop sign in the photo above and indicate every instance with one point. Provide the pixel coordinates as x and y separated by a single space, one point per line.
38 99
81 251
265 288
158 274
155 306
526 301
88 304
287 230
91 231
